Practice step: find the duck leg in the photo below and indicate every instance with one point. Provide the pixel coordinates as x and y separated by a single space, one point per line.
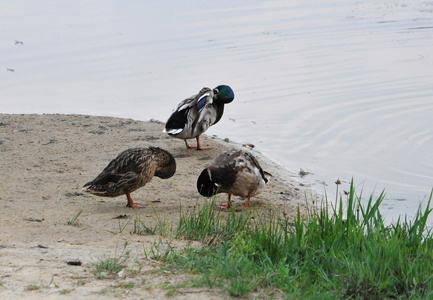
246 204
198 144
188 146
228 205
131 203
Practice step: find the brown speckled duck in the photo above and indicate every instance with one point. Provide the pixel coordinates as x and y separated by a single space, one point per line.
195 115
131 170
234 172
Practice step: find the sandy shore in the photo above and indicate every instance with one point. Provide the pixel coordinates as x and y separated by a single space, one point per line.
46 159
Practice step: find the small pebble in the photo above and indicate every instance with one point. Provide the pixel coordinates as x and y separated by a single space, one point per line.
74 262
251 146
121 217
121 273
43 246
34 220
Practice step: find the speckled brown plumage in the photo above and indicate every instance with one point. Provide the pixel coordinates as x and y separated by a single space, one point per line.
234 172
130 170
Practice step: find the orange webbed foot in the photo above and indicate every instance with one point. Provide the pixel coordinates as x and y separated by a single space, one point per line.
132 203
225 206
188 146
246 204
136 204
200 147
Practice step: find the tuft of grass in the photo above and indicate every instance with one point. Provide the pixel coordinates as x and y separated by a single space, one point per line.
172 287
35 287
74 220
159 250
65 291
238 287
112 265
347 252
209 225
120 226
163 227
125 285
142 229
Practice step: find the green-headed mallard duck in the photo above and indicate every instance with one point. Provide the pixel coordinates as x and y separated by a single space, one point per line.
195 115
131 170
234 172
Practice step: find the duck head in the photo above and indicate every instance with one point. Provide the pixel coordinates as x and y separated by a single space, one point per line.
205 186
167 169
224 93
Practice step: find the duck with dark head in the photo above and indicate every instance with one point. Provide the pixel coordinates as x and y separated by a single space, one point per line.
193 116
234 172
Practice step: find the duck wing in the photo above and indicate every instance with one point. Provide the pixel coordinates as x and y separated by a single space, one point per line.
130 170
184 118
237 172
223 170
256 166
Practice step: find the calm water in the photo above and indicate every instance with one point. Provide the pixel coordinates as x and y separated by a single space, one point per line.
340 89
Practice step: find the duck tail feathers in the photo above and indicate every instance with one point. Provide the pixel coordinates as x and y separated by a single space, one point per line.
173 131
